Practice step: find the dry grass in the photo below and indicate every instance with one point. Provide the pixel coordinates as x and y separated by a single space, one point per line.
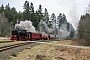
4 38
52 52
69 42
73 42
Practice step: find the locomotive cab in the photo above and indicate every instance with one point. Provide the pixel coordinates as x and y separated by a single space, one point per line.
14 36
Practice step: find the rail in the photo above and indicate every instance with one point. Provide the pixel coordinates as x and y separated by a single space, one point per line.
14 46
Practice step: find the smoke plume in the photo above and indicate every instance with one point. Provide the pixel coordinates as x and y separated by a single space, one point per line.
73 13
25 25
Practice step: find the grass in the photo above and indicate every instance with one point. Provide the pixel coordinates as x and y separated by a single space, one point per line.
51 51
14 55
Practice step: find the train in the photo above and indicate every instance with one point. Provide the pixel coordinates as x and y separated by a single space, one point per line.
24 35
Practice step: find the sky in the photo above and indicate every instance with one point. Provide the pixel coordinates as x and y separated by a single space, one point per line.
73 9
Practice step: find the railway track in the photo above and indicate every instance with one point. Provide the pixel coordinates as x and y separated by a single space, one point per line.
5 41
13 46
7 47
8 50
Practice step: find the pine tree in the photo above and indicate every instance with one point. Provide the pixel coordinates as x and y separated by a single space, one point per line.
36 20
8 13
14 15
40 12
32 14
59 20
84 26
26 12
64 18
53 19
20 16
52 23
46 16
2 8
38 17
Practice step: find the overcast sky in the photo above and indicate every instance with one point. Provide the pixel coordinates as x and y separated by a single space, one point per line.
71 8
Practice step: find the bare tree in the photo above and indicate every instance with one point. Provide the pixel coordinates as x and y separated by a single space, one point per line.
4 25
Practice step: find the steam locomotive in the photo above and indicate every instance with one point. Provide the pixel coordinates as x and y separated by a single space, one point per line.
22 35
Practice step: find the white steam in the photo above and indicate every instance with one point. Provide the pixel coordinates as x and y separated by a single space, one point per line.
43 28
73 14
25 25
63 31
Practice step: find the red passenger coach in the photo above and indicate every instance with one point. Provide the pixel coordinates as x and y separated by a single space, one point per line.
52 36
45 36
35 36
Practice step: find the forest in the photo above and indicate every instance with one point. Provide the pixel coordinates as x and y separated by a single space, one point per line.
84 26
9 17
